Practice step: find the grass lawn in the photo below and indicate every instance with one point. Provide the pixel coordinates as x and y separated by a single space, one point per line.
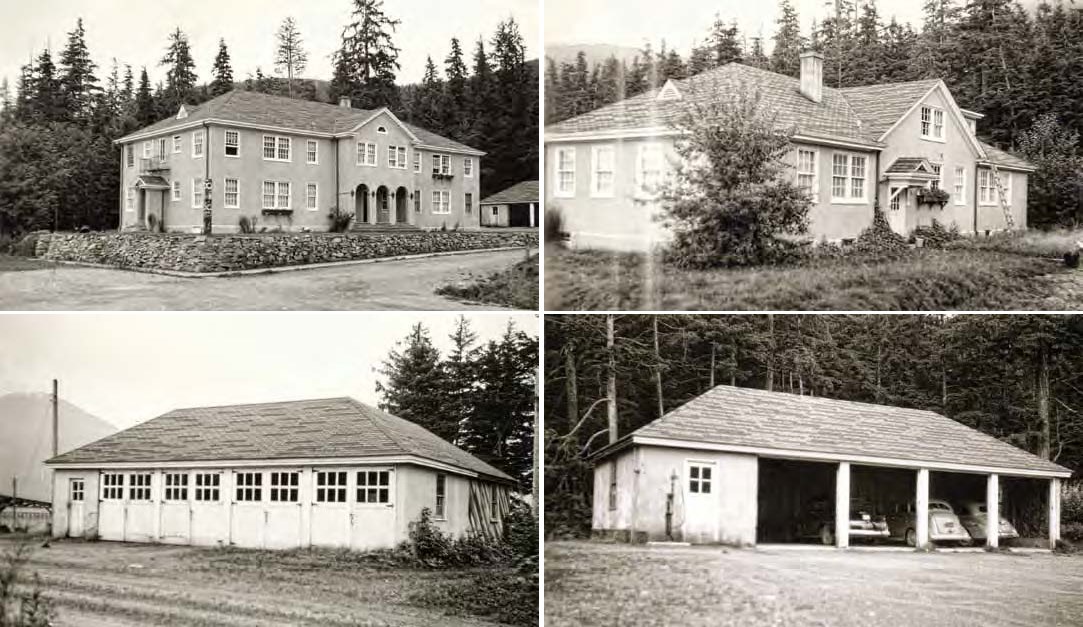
14 263
516 287
925 280
618 584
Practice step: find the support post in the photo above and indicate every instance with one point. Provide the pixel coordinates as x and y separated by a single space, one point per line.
842 506
1054 512
992 511
921 507
56 418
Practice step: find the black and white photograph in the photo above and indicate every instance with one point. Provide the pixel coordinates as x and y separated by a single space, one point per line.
813 469
221 470
812 155
185 155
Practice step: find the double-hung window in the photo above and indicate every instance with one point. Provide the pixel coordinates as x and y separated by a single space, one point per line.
417 161
197 144
177 144
285 486
176 486
374 486
276 195
197 193
986 190
276 148
396 157
938 170
162 154
331 486
441 164
960 186
147 147
366 154
129 199
130 152
468 203
176 189
113 486
932 123
441 202
441 496
249 486
807 173
311 196
312 150
650 169
468 167
849 173
139 486
232 191
233 143
565 183
207 486
603 171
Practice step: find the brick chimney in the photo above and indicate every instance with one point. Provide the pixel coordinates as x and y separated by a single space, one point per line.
344 101
812 75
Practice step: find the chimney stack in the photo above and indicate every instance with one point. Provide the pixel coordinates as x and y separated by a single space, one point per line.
812 75
344 101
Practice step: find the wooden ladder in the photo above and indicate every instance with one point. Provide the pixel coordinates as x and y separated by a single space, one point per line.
1004 204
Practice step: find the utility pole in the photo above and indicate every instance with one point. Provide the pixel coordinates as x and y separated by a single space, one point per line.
14 502
537 446
56 418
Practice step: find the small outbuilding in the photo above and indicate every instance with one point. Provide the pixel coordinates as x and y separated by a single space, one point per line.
742 466
330 473
515 206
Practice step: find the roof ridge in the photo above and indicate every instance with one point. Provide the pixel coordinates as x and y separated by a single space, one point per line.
294 402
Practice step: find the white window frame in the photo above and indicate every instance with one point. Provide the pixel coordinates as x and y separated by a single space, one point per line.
285 486
176 190
938 170
139 484
417 161
468 203
177 144
236 204
248 486
197 144
277 186
596 190
129 199
439 511
226 145
468 167
441 202
130 152
933 124
207 487
367 154
113 486
811 176
848 179
77 489
197 193
441 164
312 152
280 141
396 157
147 148
176 487
330 482
163 152
699 482
312 191
645 153
985 182
564 166
959 186
374 482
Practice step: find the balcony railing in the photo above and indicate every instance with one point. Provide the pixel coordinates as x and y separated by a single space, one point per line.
153 164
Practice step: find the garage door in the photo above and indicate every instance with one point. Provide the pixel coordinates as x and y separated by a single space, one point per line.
176 515
372 519
282 516
246 519
330 509
112 509
209 513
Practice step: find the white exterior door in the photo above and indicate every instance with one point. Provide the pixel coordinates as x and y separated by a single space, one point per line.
898 203
139 513
111 509
372 521
282 516
209 508
701 501
76 494
247 517
330 508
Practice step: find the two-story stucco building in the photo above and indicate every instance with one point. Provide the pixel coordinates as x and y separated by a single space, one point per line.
287 163
853 149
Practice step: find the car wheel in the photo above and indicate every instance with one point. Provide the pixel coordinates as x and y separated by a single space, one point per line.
827 536
911 538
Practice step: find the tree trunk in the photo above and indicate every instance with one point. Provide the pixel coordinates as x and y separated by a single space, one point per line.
535 490
658 370
1044 444
712 365
571 389
770 352
611 380
733 370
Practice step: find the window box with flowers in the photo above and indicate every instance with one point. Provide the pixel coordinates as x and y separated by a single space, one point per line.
277 212
436 176
933 196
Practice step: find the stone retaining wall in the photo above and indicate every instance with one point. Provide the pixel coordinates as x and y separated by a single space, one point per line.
223 253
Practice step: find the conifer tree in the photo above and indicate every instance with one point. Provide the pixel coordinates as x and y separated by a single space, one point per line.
145 106
786 56
290 56
416 389
222 71
45 91
481 98
366 63
725 43
756 57
77 80
180 73
456 120
428 100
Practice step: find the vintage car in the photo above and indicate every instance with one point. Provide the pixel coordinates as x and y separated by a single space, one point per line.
944 525
817 520
973 516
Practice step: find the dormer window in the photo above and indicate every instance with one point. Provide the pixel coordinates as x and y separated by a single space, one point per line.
932 123
182 113
669 92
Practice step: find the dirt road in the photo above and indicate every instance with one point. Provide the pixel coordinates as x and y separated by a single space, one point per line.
623 585
105 584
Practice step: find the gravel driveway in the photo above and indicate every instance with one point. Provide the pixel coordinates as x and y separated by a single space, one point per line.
602 584
396 285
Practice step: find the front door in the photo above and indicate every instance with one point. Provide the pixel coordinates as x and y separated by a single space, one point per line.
899 199
76 493
701 501
383 208
401 215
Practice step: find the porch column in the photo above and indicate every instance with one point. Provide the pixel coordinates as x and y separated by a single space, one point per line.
842 506
992 511
921 507
532 215
1054 512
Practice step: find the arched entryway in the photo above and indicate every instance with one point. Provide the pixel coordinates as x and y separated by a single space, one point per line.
401 197
361 204
383 207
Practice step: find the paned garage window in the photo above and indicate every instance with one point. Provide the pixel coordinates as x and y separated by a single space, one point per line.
113 487
176 486
250 486
207 486
139 487
373 486
331 486
699 479
284 486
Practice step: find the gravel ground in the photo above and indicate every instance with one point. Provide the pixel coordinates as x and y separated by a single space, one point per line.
395 285
610 584
109 584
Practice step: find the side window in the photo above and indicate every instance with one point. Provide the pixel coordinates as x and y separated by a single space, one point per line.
700 479
441 496
78 490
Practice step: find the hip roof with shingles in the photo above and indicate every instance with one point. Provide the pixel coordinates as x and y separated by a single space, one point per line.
744 417
324 428
522 192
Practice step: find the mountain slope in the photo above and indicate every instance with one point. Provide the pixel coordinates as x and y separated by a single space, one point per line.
26 440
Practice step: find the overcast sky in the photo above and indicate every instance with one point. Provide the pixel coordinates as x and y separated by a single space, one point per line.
135 31
127 368
685 22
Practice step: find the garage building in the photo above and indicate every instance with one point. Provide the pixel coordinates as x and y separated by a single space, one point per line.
328 473
516 206
741 466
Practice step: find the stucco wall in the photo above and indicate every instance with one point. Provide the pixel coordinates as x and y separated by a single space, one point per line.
196 253
727 515
828 219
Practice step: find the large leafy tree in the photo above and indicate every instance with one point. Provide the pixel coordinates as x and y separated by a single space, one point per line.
367 61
